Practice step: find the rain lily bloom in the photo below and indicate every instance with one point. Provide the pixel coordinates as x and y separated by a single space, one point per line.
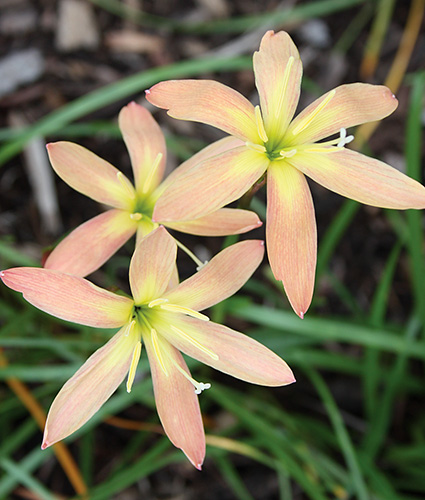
166 320
90 245
287 148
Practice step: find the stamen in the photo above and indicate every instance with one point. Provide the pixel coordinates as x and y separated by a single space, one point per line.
343 139
129 328
282 92
198 268
133 366
310 117
194 342
199 386
157 350
202 387
260 124
288 154
127 185
152 172
190 254
157 302
184 310
322 150
256 147
136 216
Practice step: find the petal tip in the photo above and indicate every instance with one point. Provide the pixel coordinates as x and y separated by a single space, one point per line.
45 445
197 462
147 91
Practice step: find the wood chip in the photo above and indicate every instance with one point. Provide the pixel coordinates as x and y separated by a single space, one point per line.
134 42
40 176
77 27
20 68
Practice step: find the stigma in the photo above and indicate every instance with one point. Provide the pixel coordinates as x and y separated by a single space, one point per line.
343 139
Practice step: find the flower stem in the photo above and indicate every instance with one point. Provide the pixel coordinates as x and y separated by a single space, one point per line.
245 201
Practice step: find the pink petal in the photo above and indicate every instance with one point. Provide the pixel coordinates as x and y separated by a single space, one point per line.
207 101
228 271
220 223
69 297
206 153
230 352
144 141
291 233
350 105
176 402
91 175
210 185
86 391
361 178
152 266
90 245
278 71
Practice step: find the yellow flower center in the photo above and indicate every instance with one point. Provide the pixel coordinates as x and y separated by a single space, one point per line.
144 317
277 145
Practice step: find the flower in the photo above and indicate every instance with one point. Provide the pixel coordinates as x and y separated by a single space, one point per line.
90 245
271 141
167 321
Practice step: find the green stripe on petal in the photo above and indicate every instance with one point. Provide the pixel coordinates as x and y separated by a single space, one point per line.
69 297
145 142
176 401
291 233
90 245
342 107
361 178
223 276
278 72
207 101
93 384
210 185
152 266
91 175
226 350
220 223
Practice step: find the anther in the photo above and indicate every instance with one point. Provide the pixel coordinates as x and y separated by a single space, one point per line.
310 117
157 349
260 124
133 366
256 147
157 302
198 268
321 149
136 216
288 154
201 387
184 310
152 172
129 328
126 185
194 342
